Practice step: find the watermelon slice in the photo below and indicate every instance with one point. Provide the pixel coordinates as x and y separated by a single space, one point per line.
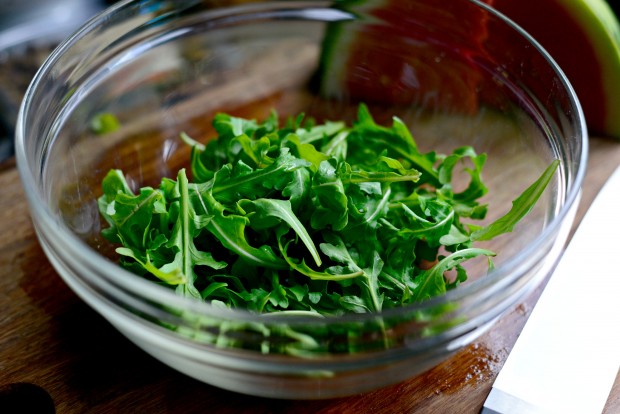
394 55
583 37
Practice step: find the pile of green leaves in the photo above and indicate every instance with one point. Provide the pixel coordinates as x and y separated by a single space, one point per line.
308 219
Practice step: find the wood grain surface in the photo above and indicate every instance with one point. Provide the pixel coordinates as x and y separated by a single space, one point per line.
52 340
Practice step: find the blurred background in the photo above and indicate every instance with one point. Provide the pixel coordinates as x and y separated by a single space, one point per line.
29 31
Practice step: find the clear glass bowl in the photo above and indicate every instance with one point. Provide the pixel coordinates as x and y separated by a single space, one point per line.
457 74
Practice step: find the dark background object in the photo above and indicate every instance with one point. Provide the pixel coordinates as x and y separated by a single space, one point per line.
29 31
23 397
17 67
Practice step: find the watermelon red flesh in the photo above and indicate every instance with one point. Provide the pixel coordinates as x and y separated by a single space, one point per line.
461 22
395 72
396 54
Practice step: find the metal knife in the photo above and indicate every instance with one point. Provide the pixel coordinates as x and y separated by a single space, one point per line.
568 354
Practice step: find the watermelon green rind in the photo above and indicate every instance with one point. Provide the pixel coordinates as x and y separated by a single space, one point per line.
606 40
335 40
335 44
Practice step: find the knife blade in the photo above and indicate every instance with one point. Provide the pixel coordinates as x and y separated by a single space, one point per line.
568 355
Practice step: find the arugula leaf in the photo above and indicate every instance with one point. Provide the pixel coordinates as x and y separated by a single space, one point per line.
229 229
431 282
521 206
255 150
319 132
229 127
396 140
187 226
261 213
258 182
104 123
298 188
173 277
305 151
476 189
129 215
330 200
432 229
